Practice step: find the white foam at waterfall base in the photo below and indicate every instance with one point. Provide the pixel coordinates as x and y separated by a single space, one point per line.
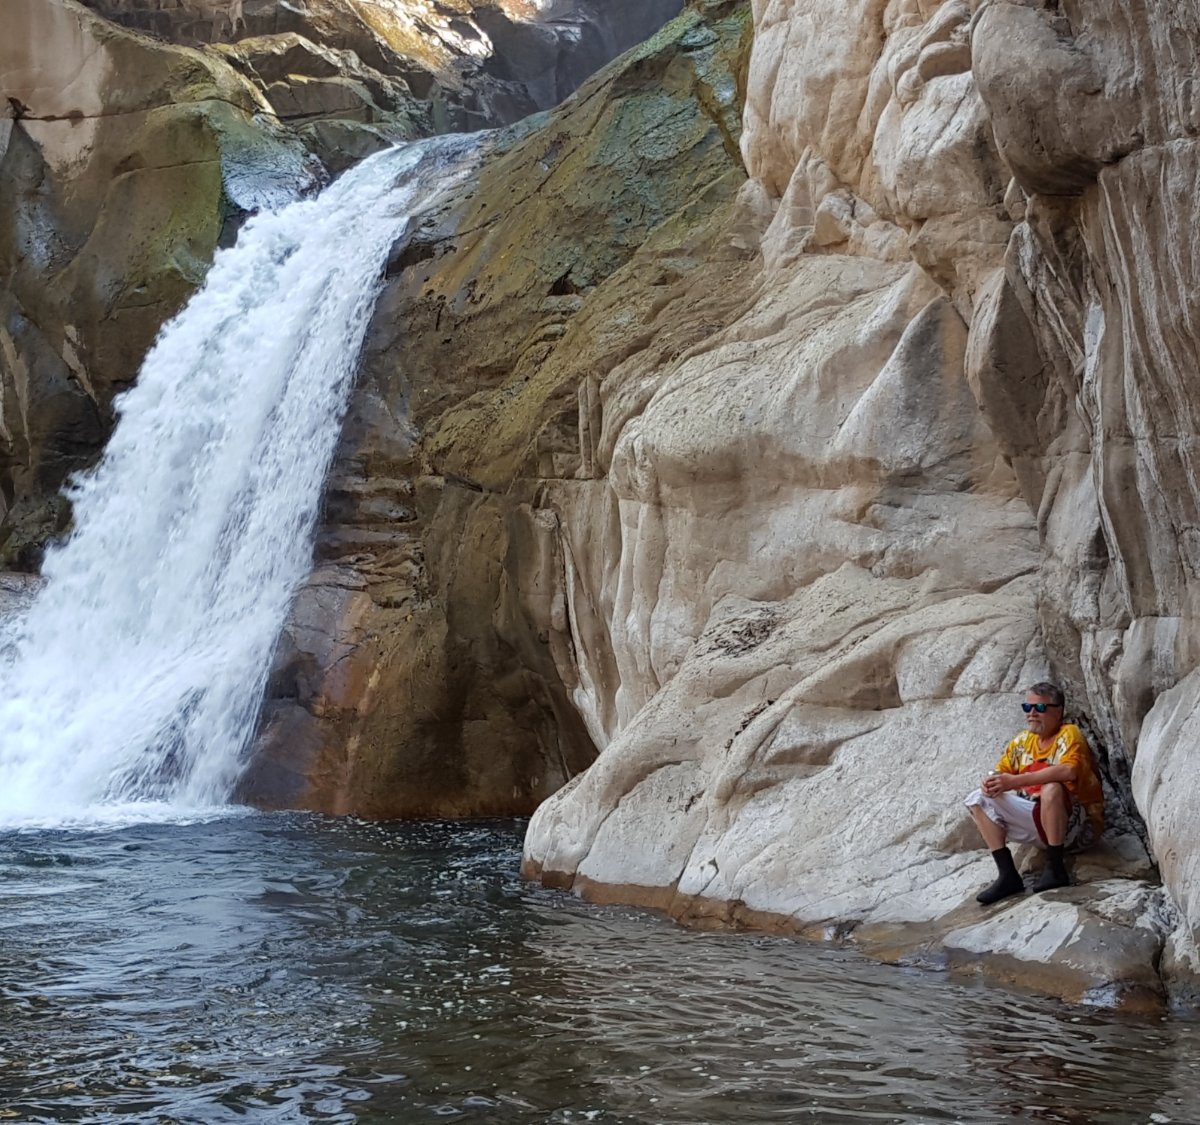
133 688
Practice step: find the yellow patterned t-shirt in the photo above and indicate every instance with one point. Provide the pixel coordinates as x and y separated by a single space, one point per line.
1069 748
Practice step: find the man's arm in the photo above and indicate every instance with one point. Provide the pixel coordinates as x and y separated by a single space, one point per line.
1007 763
1002 782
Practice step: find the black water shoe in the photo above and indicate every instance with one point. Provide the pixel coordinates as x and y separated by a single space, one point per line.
1003 887
1054 874
1008 883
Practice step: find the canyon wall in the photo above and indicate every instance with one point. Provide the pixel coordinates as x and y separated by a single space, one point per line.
775 500
347 71
943 447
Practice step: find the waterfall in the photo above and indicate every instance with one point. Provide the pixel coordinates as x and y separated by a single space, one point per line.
133 686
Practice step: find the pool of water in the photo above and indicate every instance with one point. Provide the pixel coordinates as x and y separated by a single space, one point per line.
295 968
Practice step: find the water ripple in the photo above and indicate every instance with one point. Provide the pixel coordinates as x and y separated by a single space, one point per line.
294 968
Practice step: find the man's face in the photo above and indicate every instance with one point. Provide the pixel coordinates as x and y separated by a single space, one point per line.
1042 723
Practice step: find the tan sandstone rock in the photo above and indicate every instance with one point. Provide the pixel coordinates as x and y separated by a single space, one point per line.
1103 270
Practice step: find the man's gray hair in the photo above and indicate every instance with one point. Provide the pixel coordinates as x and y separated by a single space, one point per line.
1047 690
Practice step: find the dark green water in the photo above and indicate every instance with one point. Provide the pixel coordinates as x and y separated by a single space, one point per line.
291 968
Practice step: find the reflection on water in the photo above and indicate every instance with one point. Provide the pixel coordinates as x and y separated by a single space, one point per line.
293 968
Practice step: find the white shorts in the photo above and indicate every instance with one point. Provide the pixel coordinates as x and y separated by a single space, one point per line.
1020 817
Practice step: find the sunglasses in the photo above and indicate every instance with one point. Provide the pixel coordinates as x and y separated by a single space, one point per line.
1040 708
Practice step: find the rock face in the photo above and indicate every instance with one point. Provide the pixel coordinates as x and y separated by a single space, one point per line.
430 667
1101 276
819 581
450 65
126 160
942 447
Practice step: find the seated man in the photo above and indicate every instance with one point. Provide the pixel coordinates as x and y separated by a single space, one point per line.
1064 809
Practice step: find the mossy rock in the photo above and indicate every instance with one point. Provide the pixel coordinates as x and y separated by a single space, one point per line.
469 324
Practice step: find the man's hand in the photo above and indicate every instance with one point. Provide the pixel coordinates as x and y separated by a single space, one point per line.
996 783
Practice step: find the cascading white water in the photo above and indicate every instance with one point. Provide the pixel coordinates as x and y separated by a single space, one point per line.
135 681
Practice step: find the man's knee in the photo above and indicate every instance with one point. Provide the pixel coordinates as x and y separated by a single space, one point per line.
1054 793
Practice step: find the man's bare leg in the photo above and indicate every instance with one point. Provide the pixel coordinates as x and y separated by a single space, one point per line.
1008 881
992 833
1054 812
1055 806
